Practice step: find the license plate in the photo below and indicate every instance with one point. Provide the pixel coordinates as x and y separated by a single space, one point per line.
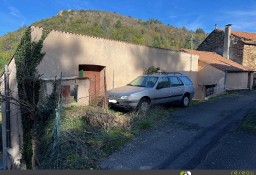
112 101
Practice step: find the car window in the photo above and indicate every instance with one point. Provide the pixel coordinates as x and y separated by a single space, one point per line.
175 81
186 80
163 83
151 81
144 81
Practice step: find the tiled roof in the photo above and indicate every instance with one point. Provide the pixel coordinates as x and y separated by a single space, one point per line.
245 35
217 61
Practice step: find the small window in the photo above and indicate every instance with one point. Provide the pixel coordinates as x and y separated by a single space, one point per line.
163 83
209 90
69 93
175 81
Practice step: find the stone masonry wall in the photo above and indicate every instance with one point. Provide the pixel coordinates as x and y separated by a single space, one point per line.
249 57
213 43
236 49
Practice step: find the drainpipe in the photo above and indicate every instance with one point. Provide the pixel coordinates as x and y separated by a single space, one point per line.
7 107
227 41
190 71
113 79
225 81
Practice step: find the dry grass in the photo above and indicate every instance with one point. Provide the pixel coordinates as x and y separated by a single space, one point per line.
89 133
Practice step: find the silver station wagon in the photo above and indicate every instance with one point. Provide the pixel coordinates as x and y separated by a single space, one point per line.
147 90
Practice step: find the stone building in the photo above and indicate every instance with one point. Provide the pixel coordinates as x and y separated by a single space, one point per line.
237 46
217 74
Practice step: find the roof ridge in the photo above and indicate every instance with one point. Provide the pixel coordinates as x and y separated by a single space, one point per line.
241 34
203 51
214 59
222 30
90 36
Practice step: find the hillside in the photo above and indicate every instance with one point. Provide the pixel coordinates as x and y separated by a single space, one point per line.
109 25
8 45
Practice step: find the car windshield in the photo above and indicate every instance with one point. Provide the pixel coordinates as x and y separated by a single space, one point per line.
144 81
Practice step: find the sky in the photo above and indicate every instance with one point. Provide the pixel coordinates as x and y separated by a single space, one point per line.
192 14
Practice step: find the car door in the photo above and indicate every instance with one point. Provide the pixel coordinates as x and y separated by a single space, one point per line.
176 88
162 91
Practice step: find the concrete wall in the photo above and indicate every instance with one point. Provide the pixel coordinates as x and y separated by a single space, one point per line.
65 52
237 81
208 75
15 120
82 91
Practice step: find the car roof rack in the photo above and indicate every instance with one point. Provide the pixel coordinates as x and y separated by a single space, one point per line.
167 73
173 73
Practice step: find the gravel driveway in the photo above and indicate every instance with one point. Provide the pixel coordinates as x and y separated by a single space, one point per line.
198 137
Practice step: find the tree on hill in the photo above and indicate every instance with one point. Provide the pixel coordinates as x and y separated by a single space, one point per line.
111 26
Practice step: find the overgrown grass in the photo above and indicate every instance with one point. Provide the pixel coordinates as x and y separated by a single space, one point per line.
196 102
248 124
82 145
1 144
149 119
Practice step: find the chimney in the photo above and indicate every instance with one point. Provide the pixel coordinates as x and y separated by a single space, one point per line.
216 26
227 41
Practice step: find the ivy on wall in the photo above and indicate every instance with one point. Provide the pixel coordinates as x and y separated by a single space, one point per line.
27 57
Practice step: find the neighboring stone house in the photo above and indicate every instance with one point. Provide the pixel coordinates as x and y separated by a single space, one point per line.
81 58
217 74
237 46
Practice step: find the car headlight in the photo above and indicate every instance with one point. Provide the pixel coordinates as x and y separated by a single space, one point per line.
124 97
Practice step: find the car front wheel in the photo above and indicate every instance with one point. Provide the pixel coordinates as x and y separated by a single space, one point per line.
185 101
143 105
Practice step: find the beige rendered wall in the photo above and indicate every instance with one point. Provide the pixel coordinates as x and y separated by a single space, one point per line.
65 52
208 75
237 81
15 120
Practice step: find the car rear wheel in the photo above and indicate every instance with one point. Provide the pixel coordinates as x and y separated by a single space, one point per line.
185 101
143 105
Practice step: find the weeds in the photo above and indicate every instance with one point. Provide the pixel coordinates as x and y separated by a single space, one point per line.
149 119
85 139
196 102
248 124
1 144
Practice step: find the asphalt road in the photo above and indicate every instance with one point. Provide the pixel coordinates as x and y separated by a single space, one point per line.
198 137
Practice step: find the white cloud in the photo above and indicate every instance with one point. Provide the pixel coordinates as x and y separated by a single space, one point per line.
197 23
192 23
242 20
76 4
240 13
15 12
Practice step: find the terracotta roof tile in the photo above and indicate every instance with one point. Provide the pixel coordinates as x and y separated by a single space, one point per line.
245 35
217 61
